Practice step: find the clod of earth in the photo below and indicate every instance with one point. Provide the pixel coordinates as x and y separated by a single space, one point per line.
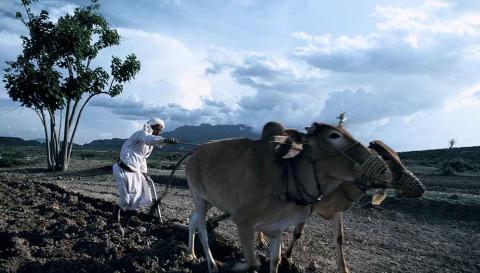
68 232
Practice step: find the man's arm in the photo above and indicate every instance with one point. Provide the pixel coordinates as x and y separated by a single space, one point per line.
151 140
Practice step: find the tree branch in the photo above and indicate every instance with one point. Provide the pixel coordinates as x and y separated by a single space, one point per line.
110 87
72 115
66 130
41 116
77 121
53 135
88 63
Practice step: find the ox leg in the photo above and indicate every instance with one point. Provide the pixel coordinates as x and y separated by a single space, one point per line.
192 227
339 240
275 241
198 222
261 240
297 233
246 235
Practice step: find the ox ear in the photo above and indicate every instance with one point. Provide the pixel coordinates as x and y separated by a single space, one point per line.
295 135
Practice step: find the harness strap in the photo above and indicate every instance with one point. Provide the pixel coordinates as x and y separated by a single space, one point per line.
302 192
303 197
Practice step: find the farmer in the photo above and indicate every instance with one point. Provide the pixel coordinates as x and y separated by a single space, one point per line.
130 170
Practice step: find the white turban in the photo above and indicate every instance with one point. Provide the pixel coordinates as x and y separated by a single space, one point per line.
151 122
156 121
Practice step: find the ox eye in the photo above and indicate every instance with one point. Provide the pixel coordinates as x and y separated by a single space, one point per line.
334 136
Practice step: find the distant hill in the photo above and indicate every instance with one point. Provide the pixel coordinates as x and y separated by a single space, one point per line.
467 153
41 140
16 141
107 144
461 158
205 132
189 134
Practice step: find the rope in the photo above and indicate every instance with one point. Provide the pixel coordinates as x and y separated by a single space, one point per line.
170 179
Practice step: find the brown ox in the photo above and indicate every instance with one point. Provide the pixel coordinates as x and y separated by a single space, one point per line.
404 182
263 195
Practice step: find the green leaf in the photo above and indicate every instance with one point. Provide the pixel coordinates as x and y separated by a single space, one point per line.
54 66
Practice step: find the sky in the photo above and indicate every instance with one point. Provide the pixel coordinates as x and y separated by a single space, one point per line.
405 71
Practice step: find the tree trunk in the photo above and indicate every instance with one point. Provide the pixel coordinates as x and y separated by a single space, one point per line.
66 131
48 146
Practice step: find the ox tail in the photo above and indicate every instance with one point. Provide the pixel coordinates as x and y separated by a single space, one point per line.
157 202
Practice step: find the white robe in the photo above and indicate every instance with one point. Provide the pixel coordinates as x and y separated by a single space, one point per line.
133 189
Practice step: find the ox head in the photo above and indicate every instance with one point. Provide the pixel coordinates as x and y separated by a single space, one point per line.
338 155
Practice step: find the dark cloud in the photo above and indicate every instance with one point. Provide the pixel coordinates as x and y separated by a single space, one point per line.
214 69
363 106
7 13
139 110
284 91
395 60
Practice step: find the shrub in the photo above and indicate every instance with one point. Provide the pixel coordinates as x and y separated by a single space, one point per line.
457 165
447 170
472 167
154 164
87 154
9 162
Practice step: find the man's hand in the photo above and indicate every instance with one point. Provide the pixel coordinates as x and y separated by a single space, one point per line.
171 140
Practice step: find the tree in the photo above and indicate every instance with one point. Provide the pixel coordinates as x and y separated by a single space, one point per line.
54 74
451 142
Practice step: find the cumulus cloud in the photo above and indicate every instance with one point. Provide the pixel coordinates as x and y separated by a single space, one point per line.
415 68
364 106
282 89
417 59
406 41
220 59
170 70
214 112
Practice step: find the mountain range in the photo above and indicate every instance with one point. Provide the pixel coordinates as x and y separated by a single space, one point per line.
186 134
206 132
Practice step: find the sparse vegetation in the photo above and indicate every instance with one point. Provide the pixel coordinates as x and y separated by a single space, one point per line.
457 165
154 164
451 142
450 161
13 157
87 154
10 162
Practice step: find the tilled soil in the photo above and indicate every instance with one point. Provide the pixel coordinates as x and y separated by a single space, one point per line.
46 228
61 222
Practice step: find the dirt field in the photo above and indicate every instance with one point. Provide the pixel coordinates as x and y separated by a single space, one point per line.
53 222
